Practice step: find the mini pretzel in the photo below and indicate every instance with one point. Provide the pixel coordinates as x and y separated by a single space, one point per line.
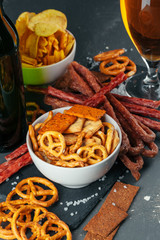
74 148
32 135
6 233
36 192
13 205
102 136
61 229
108 55
108 125
118 65
92 152
48 143
36 210
37 113
33 105
70 164
130 68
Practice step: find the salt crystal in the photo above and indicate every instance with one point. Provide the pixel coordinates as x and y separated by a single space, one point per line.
72 214
7 179
114 190
99 188
125 186
121 177
113 204
147 198
17 177
66 208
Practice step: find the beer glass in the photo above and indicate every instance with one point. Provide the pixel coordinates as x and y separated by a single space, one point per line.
141 19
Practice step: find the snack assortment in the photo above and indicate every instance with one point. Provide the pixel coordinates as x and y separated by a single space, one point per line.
24 215
112 63
138 136
43 37
76 138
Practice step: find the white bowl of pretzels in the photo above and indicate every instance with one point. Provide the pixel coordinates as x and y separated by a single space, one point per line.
72 150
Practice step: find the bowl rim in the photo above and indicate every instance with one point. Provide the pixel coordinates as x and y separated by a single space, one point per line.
77 168
55 64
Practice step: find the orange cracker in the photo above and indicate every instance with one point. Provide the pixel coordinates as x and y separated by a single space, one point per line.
121 195
106 221
60 122
85 112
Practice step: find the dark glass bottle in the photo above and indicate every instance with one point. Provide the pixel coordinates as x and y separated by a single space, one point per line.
12 101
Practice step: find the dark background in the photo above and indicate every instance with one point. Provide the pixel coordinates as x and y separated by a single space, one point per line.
97 26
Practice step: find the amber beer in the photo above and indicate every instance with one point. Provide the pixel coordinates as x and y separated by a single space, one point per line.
142 20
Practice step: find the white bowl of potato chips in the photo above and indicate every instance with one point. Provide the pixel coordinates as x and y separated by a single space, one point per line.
73 149
46 46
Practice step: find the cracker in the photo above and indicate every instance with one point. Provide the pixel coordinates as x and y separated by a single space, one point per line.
76 126
91 236
91 127
70 138
106 221
121 195
85 112
60 122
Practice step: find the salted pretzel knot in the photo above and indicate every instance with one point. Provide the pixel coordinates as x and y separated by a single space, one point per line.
94 152
36 192
118 65
108 55
53 142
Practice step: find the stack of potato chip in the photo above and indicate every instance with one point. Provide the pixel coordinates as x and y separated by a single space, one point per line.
43 37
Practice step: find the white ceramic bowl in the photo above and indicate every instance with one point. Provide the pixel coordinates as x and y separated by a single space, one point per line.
47 74
74 177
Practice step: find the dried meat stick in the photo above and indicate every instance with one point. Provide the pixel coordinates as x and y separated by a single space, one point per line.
125 141
17 152
154 125
87 76
78 83
14 166
139 101
70 97
56 102
144 111
104 90
152 151
145 136
134 166
138 145
99 102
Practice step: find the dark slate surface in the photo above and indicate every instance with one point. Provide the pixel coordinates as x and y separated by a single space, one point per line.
97 26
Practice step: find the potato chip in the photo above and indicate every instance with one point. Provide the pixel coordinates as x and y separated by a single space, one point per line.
22 22
45 29
48 17
28 60
70 44
32 45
